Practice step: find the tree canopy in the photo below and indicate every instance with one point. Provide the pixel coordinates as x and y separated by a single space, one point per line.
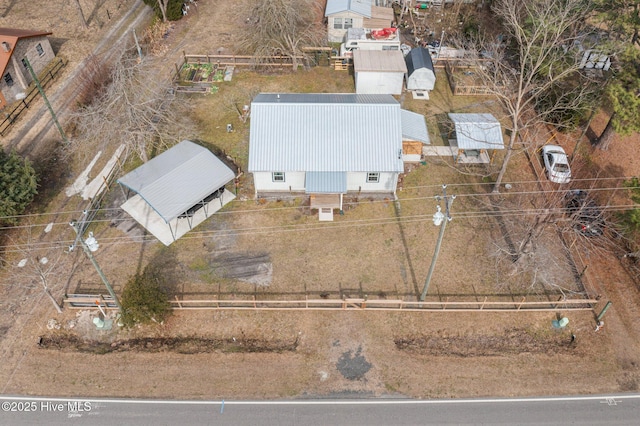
18 185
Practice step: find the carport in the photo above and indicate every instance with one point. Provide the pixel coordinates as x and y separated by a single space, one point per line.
177 190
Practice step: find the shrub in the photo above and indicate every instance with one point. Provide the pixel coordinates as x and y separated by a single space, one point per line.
174 9
18 186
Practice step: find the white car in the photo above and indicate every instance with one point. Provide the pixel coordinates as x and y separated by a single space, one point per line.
556 164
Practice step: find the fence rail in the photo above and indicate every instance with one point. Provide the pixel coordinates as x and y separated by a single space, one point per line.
45 79
85 301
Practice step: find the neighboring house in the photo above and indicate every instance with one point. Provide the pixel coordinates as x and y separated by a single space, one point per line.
379 71
15 46
476 137
177 190
344 14
421 75
326 145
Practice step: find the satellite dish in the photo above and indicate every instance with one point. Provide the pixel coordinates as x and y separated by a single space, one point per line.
20 96
22 263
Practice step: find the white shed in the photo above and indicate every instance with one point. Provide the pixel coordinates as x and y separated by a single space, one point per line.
379 71
420 72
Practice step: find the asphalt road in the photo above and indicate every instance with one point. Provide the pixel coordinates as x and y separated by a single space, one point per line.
608 410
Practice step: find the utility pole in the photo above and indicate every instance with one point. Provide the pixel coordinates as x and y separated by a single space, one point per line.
89 246
438 219
46 101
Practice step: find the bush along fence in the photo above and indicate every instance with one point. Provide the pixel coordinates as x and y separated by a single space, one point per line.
45 80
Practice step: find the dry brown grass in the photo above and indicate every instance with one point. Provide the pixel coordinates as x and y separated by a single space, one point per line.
348 256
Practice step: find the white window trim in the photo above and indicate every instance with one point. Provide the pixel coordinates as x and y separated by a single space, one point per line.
278 177
335 24
373 177
41 49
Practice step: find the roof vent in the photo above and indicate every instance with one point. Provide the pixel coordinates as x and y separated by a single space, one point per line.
6 46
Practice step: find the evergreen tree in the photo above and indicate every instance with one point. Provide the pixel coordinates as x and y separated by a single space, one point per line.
18 186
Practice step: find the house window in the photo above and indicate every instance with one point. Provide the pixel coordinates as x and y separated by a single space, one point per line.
337 23
24 63
277 176
8 79
39 49
348 23
373 177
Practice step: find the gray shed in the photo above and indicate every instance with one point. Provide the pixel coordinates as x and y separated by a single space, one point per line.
420 72
177 190
475 136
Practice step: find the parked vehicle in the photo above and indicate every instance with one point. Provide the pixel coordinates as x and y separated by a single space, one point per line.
586 214
556 164
366 39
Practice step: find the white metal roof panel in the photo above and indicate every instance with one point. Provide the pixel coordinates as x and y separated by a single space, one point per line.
326 183
325 133
361 7
178 178
378 61
477 131
414 127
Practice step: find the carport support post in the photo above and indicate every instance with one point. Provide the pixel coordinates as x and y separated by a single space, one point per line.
447 202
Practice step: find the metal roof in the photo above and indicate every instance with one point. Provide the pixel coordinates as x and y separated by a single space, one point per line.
414 127
177 179
361 7
325 133
418 58
378 61
477 131
326 183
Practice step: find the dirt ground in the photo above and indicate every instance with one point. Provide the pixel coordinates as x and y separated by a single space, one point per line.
262 354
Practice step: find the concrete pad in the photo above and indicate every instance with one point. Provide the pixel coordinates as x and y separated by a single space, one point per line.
167 233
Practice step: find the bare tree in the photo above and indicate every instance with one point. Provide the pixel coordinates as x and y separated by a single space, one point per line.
137 108
162 4
536 58
282 27
40 265
83 21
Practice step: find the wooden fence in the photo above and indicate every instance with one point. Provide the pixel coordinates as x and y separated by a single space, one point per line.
460 88
45 80
77 301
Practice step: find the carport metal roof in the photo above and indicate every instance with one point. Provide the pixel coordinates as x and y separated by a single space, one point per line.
177 179
477 131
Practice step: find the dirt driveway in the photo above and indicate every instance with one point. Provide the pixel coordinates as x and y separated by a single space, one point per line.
249 354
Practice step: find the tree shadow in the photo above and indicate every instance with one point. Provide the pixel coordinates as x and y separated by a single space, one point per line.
94 12
8 8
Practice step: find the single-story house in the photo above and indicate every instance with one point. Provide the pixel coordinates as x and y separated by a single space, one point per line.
474 136
177 190
323 146
379 71
421 75
344 14
16 47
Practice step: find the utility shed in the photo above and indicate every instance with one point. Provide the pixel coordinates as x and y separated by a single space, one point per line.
177 190
379 72
476 137
414 136
420 72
